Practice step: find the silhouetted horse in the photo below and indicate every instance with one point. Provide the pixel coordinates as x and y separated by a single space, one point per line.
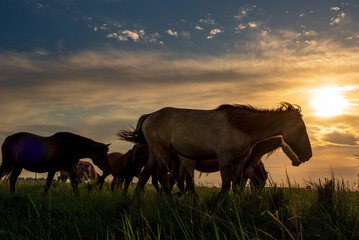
129 165
227 134
84 171
60 151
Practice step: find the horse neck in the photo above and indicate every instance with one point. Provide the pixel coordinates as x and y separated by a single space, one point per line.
85 148
270 124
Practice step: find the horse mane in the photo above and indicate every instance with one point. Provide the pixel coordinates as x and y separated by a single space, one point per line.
284 107
80 142
242 115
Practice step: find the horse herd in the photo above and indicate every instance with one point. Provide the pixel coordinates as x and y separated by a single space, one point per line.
169 145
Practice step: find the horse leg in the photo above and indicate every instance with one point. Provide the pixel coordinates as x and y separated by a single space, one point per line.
146 173
4 169
175 169
127 181
163 155
73 179
114 182
190 183
259 178
13 178
225 168
50 177
155 182
180 184
239 184
240 180
120 183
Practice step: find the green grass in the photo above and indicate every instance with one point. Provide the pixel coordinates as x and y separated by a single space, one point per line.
329 211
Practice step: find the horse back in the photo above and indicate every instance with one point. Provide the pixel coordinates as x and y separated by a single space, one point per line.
195 134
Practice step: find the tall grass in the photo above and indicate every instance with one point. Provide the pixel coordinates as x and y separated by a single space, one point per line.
328 211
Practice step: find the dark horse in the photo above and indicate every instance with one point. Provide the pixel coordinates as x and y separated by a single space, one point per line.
227 134
59 152
129 165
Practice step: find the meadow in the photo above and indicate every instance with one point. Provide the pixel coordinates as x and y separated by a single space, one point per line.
326 211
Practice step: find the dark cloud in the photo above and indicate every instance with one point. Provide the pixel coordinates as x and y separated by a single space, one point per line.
341 138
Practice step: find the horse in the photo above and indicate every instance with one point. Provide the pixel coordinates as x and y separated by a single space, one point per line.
254 168
129 165
84 171
59 152
227 133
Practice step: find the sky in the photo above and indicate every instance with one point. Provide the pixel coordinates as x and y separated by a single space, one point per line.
93 67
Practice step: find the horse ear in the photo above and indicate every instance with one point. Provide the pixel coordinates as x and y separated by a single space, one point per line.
108 144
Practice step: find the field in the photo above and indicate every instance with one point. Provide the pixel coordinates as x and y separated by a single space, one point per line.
327 211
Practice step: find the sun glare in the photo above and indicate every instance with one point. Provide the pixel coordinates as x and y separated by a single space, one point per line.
328 101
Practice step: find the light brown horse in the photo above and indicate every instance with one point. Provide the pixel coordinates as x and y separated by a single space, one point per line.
227 134
84 172
254 168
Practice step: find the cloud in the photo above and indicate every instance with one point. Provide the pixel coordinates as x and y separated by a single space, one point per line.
336 9
243 12
215 31
198 28
341 133
341 138
83 89
310 33
95 93
172 33
132 34
207 20
240 27
338 19
252 24
125 35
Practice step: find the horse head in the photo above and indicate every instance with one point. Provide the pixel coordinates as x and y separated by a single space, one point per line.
295 135
99 155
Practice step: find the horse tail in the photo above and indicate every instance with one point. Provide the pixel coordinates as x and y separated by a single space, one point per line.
7 165
134 135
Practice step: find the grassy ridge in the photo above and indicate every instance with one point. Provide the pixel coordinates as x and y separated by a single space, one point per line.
327 212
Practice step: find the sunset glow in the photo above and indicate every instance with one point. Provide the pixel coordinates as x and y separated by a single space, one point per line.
94 67
329 102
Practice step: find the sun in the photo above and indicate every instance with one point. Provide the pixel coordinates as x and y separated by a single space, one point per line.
328 101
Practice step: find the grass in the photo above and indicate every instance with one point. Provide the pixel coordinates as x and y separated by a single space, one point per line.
328 211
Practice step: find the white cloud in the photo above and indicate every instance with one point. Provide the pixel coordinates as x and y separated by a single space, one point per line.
302 15
240 27
252 24
243 12
112 35
336 20
134 35
198 28
215 31
172 33
335 9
